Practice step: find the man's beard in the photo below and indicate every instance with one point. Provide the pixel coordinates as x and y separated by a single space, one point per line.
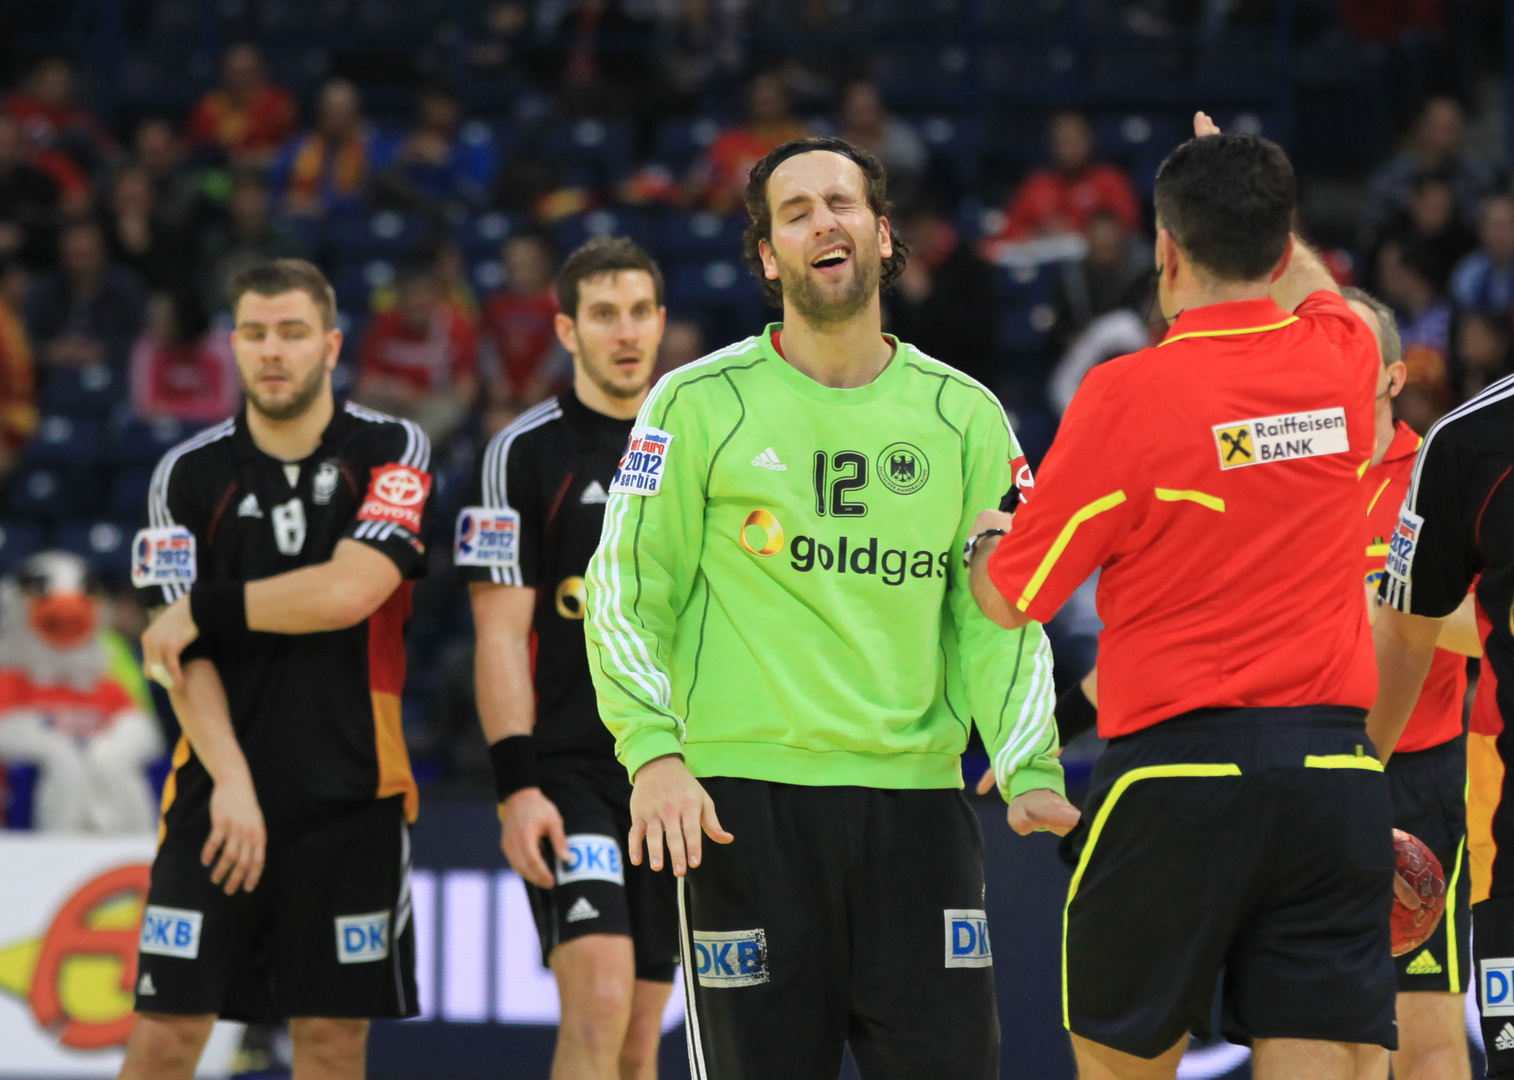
598 376
297 405
804 294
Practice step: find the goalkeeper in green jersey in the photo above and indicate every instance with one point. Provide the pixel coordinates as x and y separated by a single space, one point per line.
784 644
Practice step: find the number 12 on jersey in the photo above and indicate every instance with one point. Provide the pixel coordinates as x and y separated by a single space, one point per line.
835 475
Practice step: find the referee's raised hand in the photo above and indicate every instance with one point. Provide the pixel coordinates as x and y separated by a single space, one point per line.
669 806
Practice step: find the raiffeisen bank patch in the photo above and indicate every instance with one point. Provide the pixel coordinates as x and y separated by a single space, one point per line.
1281 438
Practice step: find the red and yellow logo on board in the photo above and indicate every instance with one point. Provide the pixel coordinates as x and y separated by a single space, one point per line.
78 978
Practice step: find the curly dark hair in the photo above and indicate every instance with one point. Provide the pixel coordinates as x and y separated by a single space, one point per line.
761 214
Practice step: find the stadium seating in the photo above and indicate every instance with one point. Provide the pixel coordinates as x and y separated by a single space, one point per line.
90 390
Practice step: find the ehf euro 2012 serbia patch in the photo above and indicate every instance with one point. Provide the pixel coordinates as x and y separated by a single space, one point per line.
487 537
642 465
163 556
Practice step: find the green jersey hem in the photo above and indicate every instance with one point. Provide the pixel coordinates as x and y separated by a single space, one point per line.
647 745
1037 777
783 764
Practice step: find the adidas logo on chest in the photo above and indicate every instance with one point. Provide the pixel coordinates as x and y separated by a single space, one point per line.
594 494
768 459
249 507
1505 1039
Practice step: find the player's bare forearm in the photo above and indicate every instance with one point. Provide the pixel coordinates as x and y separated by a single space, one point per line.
1459 633
1305 275
502 658
200 704
1405 645
333 595
237 844
989 599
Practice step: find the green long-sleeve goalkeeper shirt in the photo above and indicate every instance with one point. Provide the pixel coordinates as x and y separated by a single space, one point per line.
778 591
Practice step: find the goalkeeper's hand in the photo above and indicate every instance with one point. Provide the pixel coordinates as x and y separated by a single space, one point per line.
669 806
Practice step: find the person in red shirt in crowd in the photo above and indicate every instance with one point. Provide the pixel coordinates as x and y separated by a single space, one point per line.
180 370
45 110
719 179
419 361
518 325
247 118
1062 198
1217 481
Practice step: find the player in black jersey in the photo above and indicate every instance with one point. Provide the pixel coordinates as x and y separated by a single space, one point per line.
1456 527
609 929
282 541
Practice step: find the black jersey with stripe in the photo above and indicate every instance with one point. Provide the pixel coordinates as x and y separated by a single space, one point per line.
1457 525
549 473
317 715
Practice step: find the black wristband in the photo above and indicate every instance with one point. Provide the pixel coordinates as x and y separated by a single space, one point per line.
514 762
219 607
1075 713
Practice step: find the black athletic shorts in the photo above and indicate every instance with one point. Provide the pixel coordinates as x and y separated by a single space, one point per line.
1253 841
326 933
839 915
1428 791
1493 949
598 890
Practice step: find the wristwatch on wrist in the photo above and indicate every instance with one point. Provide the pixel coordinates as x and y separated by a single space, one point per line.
972 543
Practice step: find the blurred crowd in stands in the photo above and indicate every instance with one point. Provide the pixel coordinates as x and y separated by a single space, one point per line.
442 229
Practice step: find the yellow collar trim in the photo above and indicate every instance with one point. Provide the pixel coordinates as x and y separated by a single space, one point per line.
1226 333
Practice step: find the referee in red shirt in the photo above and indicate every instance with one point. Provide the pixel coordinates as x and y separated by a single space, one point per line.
1239 819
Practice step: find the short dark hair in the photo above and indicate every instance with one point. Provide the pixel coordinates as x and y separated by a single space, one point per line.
287 275
602 255
761 214
1392 344
1228 201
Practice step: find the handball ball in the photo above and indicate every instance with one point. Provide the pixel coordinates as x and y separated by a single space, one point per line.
1418 866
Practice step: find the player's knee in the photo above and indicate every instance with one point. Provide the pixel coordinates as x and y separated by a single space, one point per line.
1443 1059
165 1046
598 1018
331 1044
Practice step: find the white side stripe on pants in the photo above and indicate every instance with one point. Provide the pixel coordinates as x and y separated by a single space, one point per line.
697 1070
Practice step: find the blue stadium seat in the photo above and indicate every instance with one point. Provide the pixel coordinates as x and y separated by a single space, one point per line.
105 545
719 295
387 235
18 539
594 154
573 231
45 493
479 236
354 282
680 237
128 493
67 441
681 142
85 391
1026 313
134 441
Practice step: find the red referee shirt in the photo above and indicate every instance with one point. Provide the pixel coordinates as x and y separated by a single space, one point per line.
1217 480
1437 714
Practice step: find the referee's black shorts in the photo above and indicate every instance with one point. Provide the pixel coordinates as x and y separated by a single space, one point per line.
327 932
1428 790
1256 842
839 915
598 889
